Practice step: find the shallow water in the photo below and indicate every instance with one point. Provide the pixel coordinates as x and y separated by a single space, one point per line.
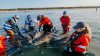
90 16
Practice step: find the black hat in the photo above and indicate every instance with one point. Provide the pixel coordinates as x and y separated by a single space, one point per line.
79 25
38 17
65 12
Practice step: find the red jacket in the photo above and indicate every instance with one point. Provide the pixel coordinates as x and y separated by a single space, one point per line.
2 46
81 44
65 20
46 21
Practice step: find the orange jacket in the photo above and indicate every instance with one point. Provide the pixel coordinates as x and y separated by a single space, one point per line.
46 21
2 46
80 45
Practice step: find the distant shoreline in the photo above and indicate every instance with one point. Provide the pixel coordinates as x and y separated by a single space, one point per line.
49 8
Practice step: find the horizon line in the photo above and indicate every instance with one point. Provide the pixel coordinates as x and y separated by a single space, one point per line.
46 8
52 7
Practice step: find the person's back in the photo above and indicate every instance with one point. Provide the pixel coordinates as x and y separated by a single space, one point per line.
7 26
8 29
13 22
11 26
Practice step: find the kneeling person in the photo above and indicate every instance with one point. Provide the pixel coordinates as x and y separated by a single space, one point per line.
79 40
30 22
46 23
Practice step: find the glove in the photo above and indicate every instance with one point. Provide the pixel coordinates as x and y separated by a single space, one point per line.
85 52
65 47
68 44
39 28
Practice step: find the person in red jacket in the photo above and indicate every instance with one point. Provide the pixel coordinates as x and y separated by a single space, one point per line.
65 22
2 46
46 23
79 40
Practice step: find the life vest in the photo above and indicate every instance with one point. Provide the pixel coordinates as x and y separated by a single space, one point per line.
79 42
65 20
14 25
7 27
29 22
46 21
2 46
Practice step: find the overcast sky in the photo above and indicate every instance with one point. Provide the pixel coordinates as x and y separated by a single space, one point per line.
46 3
